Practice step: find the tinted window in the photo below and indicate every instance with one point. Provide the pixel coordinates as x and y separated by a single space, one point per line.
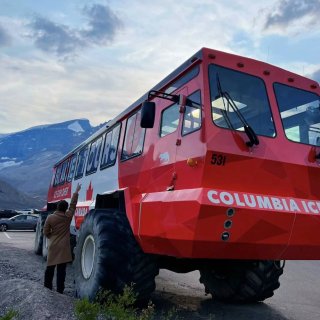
32 218
72 168
64 172
57 176
133 142
300 114
109 154
94 156
169 120
248 94
21 218
81 162
192 115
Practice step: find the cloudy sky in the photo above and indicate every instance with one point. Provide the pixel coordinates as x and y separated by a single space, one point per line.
63 59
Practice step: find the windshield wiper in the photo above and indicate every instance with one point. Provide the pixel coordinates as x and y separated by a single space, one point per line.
225 111
253 138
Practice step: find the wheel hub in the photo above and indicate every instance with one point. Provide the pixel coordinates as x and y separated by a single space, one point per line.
87 256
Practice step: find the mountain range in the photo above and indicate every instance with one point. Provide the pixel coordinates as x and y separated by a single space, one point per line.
27 158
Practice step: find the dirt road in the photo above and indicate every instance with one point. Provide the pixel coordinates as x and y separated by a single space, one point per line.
298 297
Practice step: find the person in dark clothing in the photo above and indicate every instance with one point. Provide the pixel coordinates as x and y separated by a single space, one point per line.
57 230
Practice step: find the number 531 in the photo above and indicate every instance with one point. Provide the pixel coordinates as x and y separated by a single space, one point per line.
218 159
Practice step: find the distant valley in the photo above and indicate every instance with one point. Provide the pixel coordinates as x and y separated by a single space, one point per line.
27 158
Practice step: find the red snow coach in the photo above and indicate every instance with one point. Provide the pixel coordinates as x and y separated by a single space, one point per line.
215 169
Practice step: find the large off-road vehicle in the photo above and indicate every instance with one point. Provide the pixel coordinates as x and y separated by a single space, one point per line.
215 169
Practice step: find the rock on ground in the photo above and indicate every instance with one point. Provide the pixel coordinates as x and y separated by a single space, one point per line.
32 301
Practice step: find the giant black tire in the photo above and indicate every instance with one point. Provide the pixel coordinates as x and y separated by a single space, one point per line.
38 241
108 256
242 281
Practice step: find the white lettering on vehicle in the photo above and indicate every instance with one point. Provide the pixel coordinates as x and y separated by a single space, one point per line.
246 200
61 193
81 211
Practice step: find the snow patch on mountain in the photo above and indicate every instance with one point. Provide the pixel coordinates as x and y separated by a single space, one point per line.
75 126
7 164
7 158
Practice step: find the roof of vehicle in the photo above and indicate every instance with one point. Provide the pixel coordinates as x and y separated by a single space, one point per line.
24 214
194 59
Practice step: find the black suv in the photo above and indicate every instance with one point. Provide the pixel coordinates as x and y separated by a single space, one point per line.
5 214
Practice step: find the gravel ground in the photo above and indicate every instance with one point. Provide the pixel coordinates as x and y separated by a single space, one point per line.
21 283
21 288
21 278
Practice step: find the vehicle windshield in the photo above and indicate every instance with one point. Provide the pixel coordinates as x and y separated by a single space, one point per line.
248 94
300 114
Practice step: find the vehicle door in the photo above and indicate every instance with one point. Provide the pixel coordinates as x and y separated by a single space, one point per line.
191 148
20 222
167 142
31 222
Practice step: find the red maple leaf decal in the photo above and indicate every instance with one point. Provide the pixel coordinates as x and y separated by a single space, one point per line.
89 193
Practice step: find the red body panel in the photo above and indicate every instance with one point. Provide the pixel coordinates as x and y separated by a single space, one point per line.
183 222
207 194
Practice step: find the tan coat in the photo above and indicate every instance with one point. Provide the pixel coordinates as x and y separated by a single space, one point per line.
57 230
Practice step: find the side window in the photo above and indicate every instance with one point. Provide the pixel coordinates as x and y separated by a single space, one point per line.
109 154
57 176
169 120
81 162
21 218
133 142
64 172
192 115
72 168
300 115
94 156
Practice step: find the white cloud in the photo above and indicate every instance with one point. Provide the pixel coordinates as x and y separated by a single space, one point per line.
156 38
293 17
66 41
287 12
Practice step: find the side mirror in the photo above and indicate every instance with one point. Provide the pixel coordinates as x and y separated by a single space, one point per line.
148 112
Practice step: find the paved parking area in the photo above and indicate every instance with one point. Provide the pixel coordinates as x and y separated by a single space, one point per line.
19 239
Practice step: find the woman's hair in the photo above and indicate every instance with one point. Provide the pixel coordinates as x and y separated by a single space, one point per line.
62 205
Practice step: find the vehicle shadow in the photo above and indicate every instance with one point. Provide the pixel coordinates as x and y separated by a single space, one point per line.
198 308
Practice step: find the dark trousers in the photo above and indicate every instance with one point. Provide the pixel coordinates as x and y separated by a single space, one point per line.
61 276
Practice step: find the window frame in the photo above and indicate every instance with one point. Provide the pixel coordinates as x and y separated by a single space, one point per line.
278 108
124 138
105 166
183 118
84 165
21 218
87 173
74 156
55 182
267 96
161 117
65 163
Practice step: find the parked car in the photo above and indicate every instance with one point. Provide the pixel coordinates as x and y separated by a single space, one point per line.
7 213
19 222
25 211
